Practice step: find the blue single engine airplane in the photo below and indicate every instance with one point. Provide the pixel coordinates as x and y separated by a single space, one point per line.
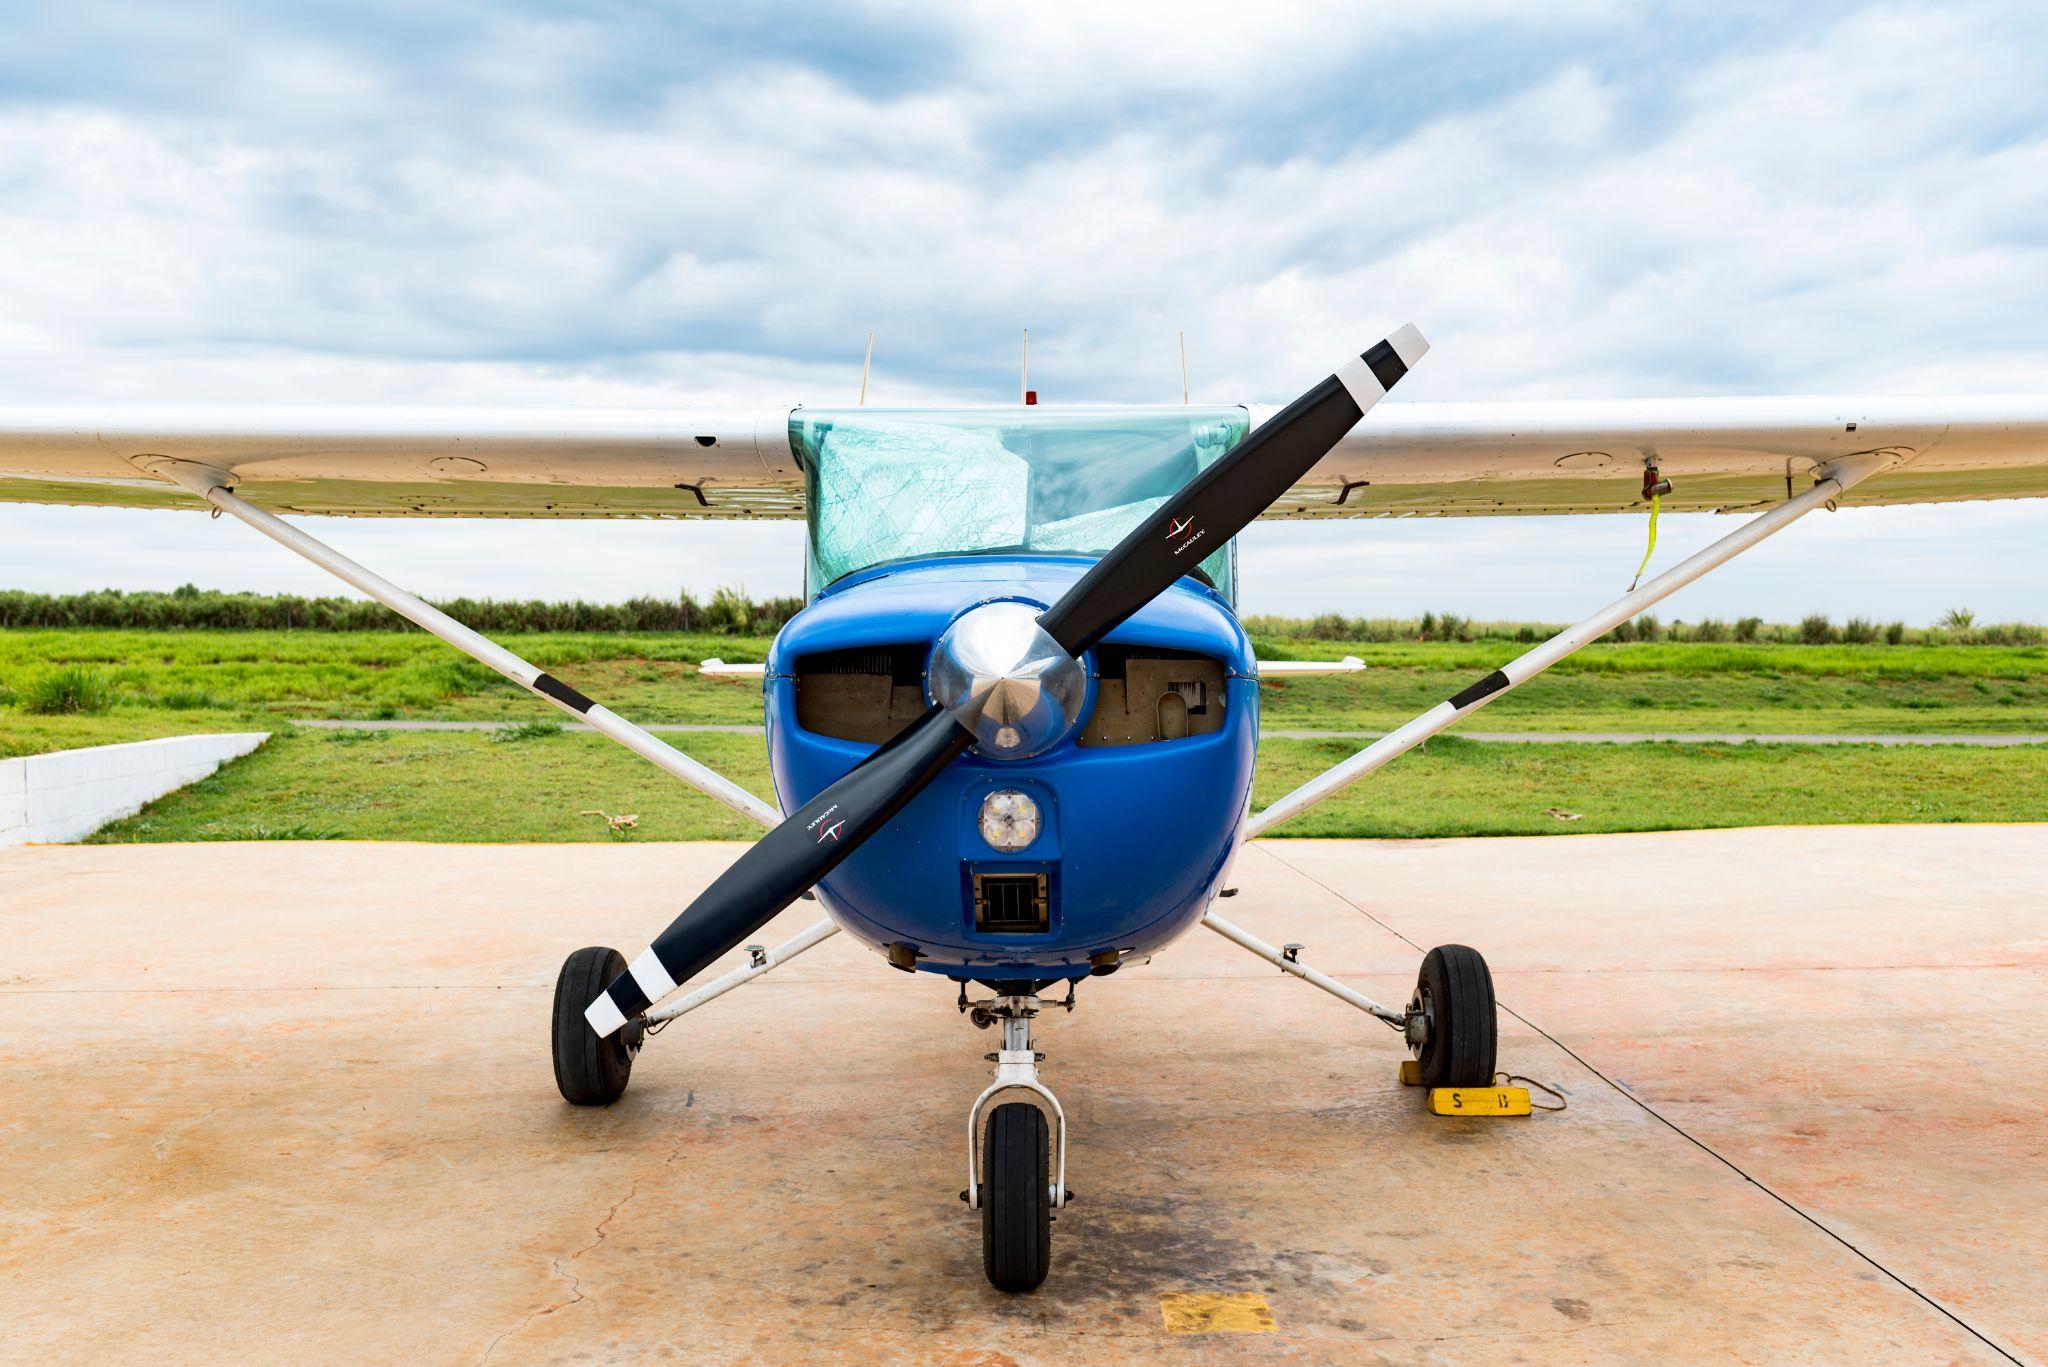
960 737
1021 629
957 736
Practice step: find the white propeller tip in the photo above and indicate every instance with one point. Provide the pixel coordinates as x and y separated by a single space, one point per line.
604 1016
1408 343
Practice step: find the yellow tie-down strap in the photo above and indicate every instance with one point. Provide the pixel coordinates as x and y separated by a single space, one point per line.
1651 549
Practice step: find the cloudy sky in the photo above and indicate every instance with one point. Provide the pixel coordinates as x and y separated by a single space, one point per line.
618 204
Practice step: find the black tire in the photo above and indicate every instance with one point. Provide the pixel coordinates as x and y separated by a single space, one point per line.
588 1070
1464 1036
1016 1198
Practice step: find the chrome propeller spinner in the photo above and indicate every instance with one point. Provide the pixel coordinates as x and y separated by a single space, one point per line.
1005 679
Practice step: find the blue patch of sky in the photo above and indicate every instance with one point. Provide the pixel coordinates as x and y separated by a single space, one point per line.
1385 87
187 59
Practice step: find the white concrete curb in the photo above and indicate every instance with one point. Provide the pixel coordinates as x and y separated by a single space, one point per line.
69 794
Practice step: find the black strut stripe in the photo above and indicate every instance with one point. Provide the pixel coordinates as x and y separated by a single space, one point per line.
561 692
1386 365
1485 688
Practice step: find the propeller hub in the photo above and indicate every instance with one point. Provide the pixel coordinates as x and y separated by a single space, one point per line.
1003 678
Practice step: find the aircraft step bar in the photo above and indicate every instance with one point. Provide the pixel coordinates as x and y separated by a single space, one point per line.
216 488
1832 481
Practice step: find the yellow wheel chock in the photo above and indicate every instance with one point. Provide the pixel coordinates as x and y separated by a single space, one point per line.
1502 1100
1480 1101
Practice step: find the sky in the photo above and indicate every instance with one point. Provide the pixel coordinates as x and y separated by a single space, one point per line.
631 205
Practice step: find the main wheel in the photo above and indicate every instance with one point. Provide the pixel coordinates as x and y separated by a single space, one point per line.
1457 1035
1016 1198
588 1070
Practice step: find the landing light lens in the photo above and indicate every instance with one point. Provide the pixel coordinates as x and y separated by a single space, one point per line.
1009 819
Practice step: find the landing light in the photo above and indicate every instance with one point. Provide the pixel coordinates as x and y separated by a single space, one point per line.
1009 819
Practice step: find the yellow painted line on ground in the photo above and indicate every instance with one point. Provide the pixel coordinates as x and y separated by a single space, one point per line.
1216 1312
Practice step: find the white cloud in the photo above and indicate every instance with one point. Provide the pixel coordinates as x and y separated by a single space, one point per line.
1781 218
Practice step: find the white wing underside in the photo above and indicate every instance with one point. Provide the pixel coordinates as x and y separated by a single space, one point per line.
1418 459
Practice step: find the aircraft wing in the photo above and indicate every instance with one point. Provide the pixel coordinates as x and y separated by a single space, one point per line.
367 462
1471 459
1416 459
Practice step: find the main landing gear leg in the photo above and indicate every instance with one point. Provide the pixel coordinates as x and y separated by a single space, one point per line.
1015 1177
1450 1024
592 1071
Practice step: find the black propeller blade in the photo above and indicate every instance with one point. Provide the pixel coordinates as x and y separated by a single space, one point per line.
1225 498
1213 507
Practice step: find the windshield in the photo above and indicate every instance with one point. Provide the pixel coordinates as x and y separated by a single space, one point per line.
891 485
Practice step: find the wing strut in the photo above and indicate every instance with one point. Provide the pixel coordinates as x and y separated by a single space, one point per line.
217 489
1831 481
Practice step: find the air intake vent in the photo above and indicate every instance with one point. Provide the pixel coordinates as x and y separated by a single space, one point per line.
1010 904
867 694
1144 696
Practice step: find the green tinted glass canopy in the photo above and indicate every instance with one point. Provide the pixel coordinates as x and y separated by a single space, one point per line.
889 485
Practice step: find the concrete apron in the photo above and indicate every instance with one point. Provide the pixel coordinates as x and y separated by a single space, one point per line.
293 1102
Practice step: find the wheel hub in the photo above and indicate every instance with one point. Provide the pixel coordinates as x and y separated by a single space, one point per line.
1421 1020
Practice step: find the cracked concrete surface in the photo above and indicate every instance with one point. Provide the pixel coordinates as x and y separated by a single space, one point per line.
293 1103
575 1282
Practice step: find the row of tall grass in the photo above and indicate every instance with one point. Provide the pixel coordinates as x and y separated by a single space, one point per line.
731 612
1957 627
726 612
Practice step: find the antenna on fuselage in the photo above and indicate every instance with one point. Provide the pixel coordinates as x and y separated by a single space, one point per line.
1183 368
864 362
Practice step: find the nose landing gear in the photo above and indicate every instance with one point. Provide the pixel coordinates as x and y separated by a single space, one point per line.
1016 1173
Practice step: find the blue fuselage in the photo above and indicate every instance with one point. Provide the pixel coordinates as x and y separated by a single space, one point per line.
1135 837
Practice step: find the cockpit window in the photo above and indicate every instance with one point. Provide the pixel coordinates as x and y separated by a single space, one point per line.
894 485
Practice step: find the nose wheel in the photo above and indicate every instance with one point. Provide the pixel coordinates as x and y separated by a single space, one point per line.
1016 1198
1451 1025
1016 1163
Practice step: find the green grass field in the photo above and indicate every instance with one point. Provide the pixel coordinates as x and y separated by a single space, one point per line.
469 787
466 786
216 678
